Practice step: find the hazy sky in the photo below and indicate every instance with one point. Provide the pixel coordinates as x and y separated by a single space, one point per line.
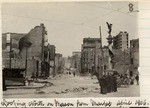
67 23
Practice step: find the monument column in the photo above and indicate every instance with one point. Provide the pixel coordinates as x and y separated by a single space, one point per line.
110 40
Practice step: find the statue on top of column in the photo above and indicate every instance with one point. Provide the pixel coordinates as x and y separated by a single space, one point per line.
109 25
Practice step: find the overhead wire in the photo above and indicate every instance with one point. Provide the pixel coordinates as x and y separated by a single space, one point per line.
83 24
99 16
48 20
95 28
40 19
72 23
106 8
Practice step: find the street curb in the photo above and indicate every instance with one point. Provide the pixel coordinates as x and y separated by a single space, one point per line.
25 87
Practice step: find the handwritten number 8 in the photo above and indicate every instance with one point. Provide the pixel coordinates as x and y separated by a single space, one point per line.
131 7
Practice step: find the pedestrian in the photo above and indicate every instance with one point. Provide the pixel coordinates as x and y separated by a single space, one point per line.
132 80
4 84
114 81
108 79
27 81
103 85
74 73
137 79
33 77
112 84
125 80
69 72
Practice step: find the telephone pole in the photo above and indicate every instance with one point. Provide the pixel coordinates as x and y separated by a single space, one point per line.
42 55
10 53
26 61
102 60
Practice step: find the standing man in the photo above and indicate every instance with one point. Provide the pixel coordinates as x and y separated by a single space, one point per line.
137 79
109 86
4 84
103 85
74 72
114 80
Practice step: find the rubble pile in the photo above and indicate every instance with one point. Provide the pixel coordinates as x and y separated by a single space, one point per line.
74 90
95 90
39 91
80 89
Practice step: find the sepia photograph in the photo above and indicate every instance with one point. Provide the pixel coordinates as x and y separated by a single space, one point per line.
70 49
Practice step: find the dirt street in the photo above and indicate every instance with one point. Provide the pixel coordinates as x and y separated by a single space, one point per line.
68 86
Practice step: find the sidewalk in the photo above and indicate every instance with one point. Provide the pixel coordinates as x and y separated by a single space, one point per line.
33 85
39 85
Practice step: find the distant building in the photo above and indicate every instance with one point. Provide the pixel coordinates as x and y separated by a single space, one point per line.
122 61
67 65
52 59
134 56
76 61
59 63
88 54
53 50
121 41
76 54
91 56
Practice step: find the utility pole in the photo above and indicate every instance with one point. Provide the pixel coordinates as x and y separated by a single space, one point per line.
42 55
130 69
95 58
102 60
10 53
43 35
54 67
26 61
124 61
